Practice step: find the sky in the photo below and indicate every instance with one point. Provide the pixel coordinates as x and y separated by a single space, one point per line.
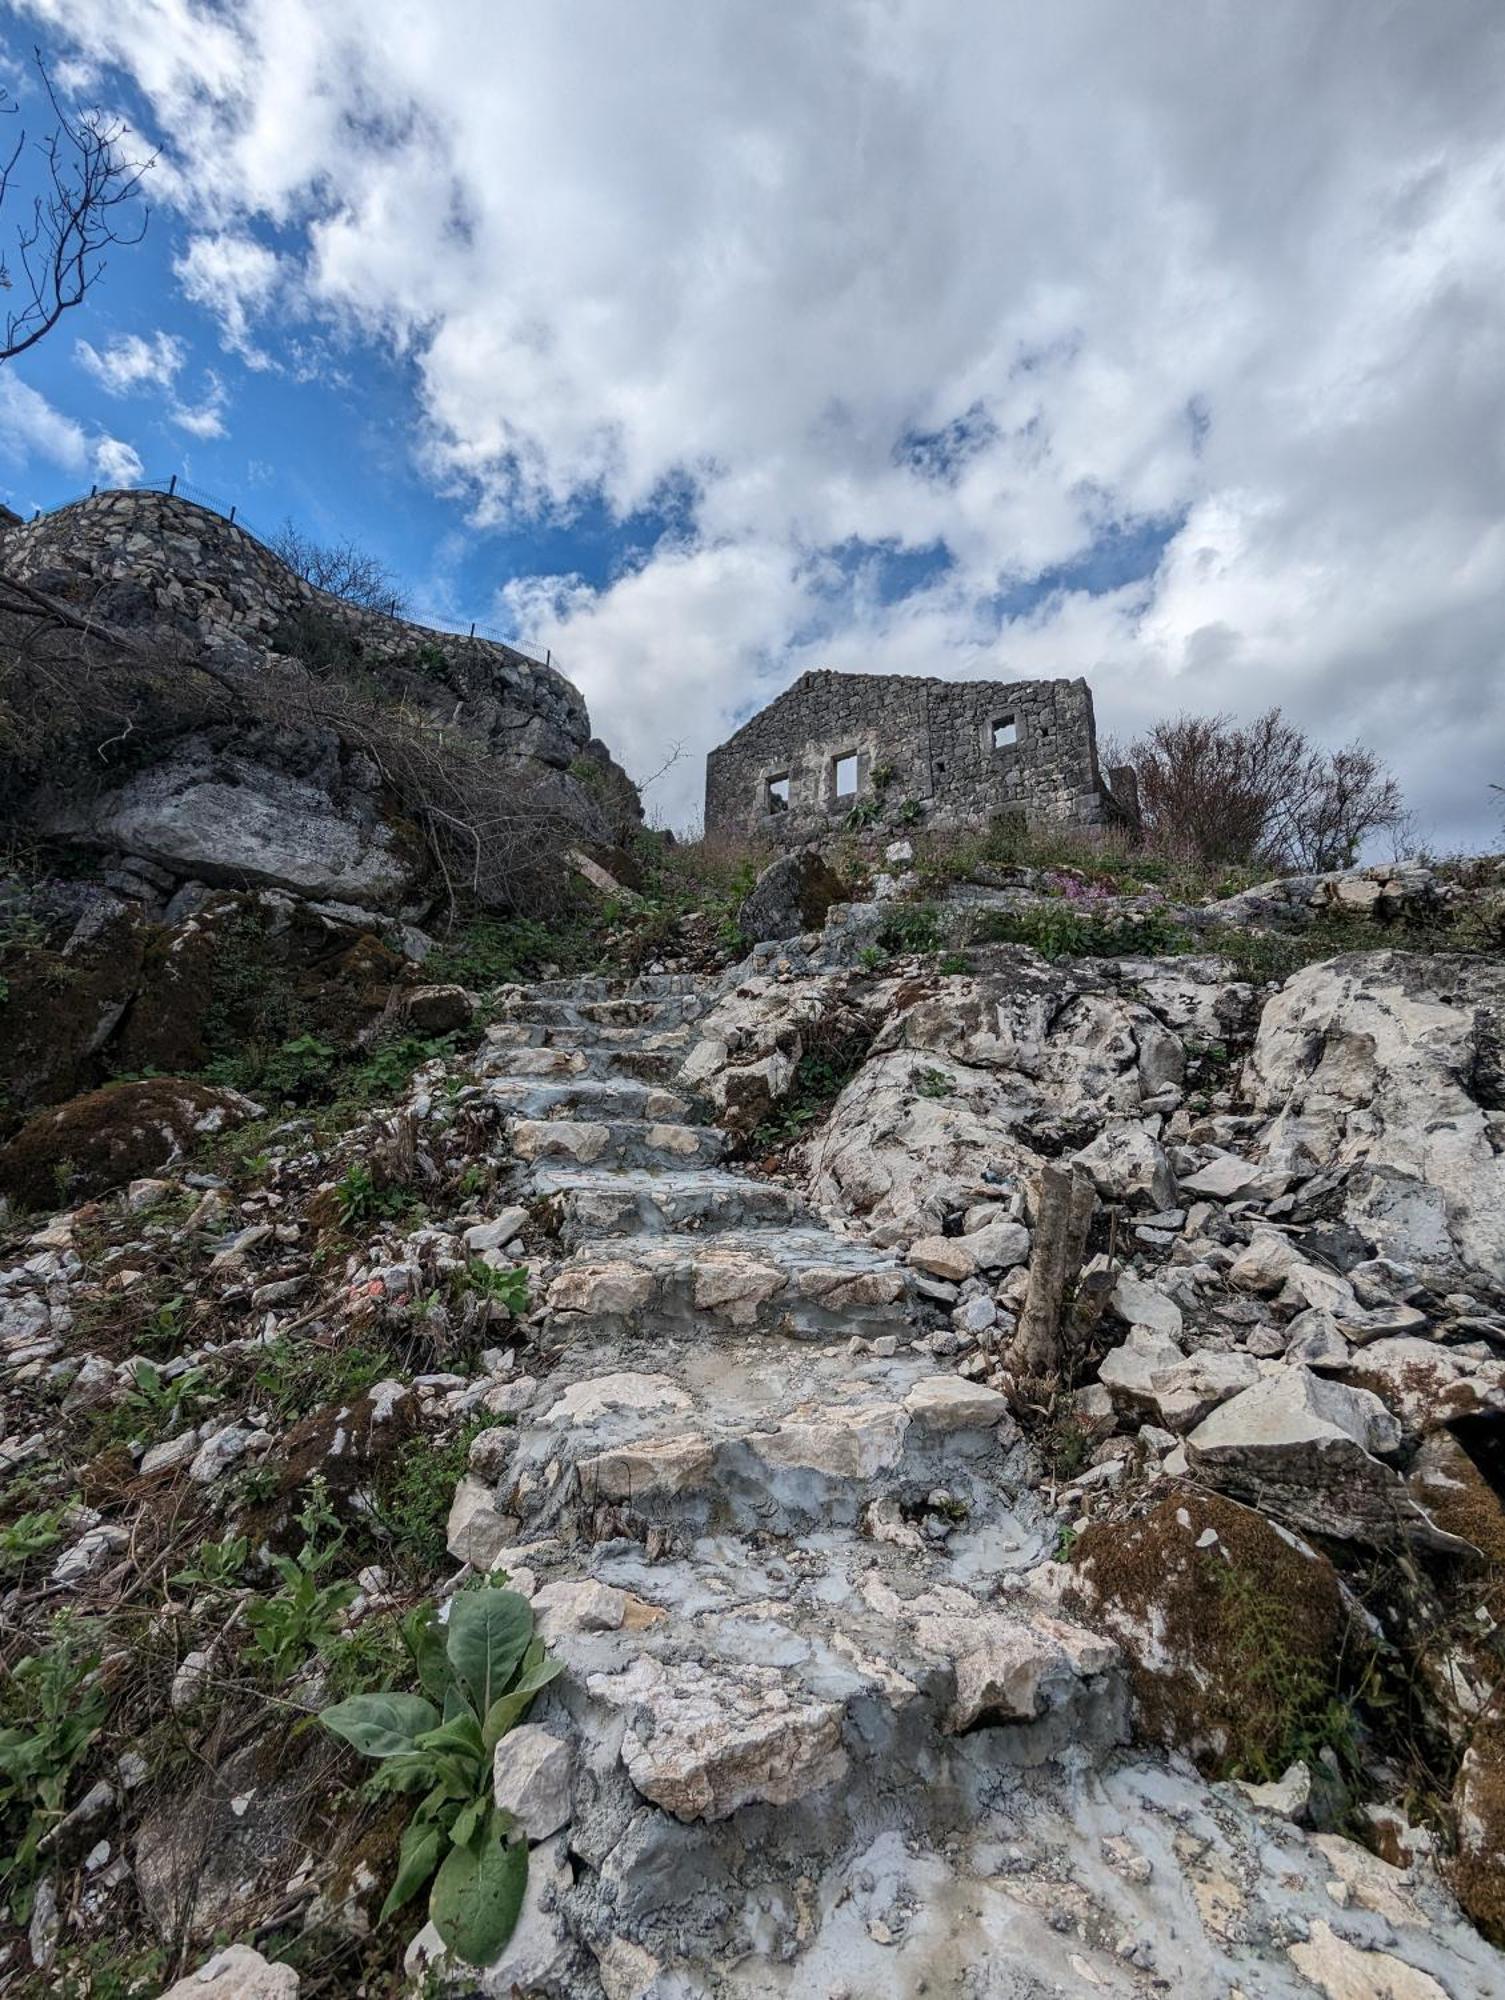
1161 343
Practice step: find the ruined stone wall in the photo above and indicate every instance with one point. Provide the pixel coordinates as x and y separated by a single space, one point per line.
961 751
143 559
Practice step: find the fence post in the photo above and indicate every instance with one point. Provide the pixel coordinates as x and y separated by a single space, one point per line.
93 490
232 517
472 628
548 656
172 484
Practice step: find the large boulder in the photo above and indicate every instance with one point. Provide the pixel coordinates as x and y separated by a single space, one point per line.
1388 1063
286 808
790 897
107 1137
1304 1449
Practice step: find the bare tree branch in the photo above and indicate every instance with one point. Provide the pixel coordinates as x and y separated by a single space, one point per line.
88 205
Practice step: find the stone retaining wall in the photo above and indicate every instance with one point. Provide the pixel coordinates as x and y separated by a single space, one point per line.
142 559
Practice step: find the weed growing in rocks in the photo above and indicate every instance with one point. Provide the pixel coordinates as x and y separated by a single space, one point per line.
53 1709
304 1616
412 1506
478 1677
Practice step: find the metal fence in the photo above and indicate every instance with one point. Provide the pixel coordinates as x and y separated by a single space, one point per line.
214 503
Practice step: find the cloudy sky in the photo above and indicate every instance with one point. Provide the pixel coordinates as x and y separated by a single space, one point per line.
1160 343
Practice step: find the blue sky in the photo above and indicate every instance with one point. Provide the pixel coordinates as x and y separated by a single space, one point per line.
1003 343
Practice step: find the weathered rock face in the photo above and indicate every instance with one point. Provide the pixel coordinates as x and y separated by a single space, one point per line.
287 808
117 982
294 807
791 896
1389 1064
972 1082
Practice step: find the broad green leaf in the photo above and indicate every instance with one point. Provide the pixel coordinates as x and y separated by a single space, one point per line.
478 1894
417 1858
467 1821
506 1712
381 1725
462 1737
424 1637
489 1631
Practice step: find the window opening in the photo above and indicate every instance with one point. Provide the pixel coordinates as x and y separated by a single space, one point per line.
846 776
777 795
1005 733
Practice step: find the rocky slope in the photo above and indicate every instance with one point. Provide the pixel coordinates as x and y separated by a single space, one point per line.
890 1664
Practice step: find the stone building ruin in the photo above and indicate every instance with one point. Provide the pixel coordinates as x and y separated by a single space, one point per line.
904 749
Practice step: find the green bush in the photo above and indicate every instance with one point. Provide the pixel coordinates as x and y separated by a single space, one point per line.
58 1709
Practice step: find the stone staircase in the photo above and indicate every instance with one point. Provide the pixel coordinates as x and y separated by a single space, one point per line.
777 1542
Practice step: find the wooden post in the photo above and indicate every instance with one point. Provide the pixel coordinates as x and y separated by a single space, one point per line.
1064 1217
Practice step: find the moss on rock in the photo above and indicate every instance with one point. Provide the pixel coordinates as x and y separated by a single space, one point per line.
107 1137
1235 1631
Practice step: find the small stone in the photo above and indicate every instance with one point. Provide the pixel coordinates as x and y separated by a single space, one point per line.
531 1777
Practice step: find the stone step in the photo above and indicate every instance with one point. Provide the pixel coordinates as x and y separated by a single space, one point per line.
627 1013
646 1065
643 986
591 1203
749 1439
596 1098
802 1282
629 1142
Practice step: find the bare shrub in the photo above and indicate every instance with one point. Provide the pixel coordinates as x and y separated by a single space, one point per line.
77 698
341 568
1217 791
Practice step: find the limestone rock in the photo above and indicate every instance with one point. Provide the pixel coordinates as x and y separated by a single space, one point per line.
1182 1588
1343 1971
791 896
701 1743
1301 1446
98 1141
236 1973
1150 1378
531 1779
1126 1164
1376 1059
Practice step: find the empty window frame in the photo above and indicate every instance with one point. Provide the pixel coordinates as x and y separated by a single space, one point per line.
1005 733
776 793
846 776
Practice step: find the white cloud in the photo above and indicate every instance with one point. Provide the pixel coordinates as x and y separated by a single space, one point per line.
1250 283
133 361
235 278
206 418
116 463
31 427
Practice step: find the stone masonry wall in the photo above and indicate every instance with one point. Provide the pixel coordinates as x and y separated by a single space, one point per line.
143 559
964 751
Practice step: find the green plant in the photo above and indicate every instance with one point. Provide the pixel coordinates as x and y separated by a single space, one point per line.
478 1678
931 1082
866 813
1291 1707
872 958
361 1200
508 1288
296 1376
953 961
157 1403
302 1617
29 1535
414 1497
218 1564
910 813
910 927
59 1709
